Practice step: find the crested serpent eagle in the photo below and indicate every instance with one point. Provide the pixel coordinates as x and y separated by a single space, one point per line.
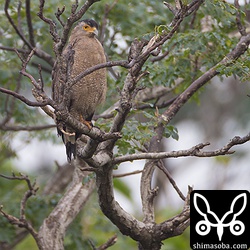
82 98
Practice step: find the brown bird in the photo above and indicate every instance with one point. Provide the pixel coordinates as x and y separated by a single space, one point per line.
85 95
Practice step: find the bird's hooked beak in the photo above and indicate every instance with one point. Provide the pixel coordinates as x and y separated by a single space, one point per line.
93 30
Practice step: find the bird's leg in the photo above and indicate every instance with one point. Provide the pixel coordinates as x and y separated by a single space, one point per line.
67 133
87 123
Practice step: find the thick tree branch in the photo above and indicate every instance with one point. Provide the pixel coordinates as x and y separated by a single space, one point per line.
176 225
52 231
128 225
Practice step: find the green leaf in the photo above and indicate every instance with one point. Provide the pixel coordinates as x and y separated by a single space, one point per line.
171 131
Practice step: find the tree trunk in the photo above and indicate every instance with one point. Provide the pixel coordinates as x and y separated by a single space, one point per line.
52 232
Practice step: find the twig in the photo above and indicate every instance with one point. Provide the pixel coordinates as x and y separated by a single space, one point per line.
25 128
110 242
24 66
14 49
22 98
162 167
29 23
127 174
241 27
40 80
19 21
58 15
170 7
108 8
19 33
74 7
122 63
49 21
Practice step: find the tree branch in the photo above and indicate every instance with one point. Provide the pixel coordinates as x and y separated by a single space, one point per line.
40 53
52 231
26 128
127 174
144 233
161 166
22 98
241 27
194 151
110 242
29 23
22 221
19 33
239 50
176 225
122 63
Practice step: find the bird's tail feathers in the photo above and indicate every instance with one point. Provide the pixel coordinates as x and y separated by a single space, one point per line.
70 150
69 139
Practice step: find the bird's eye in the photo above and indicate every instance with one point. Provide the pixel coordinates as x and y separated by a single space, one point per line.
85 27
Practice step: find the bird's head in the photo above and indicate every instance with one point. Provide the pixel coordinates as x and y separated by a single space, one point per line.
87 27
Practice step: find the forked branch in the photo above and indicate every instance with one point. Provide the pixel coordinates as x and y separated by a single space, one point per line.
21 221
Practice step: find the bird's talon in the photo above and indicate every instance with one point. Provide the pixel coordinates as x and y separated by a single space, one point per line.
67 133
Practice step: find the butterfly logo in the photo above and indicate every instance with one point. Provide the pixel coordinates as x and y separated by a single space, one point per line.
203 227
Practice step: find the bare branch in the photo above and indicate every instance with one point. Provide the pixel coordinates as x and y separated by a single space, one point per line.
40 53
21 222
161 166
26 128
127 174
110 242
122 63
126 223
194 151
241 27
108 8
22 98
170 7
14 49
11 21
29 23
51 23
58 15
23 71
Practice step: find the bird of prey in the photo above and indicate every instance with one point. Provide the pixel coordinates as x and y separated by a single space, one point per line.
85 95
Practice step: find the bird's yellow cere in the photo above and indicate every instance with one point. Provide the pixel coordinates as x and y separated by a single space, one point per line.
88 28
